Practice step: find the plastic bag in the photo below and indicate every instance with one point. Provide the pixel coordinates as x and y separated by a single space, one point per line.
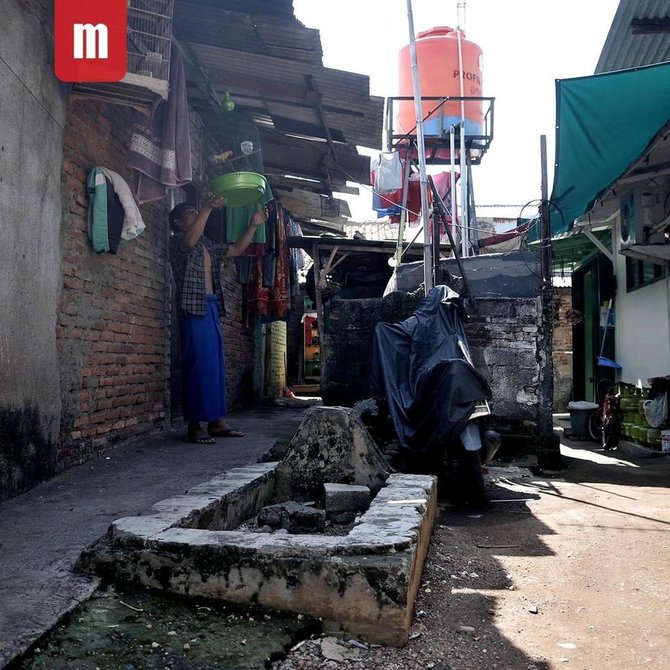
656 410
389 172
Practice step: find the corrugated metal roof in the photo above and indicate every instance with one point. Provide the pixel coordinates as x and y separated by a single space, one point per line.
272 66
623 49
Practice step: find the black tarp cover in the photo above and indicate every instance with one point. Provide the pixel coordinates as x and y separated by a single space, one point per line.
421 365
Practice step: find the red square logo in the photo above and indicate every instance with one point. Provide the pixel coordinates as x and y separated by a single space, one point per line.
90 41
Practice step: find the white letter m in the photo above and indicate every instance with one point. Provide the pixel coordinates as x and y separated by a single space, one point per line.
93 33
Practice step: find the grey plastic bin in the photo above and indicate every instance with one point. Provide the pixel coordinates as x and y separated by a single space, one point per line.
580 411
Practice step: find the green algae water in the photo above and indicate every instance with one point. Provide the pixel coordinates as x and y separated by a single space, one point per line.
119 629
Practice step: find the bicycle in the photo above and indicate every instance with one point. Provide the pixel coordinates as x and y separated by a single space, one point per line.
604 425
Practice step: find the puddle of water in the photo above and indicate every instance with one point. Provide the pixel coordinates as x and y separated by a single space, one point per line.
120 629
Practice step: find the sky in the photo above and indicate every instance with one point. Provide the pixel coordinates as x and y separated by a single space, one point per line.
526 45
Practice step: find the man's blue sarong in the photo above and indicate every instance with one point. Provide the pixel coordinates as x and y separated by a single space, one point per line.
203 365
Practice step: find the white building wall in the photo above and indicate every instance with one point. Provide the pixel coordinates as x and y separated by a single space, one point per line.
642 326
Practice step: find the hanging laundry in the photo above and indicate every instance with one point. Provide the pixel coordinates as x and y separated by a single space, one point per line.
413 200
385 204
160 144
442 182
271 303
389 172
113 215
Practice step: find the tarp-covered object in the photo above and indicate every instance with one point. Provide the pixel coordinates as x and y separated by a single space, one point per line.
421 366
603 124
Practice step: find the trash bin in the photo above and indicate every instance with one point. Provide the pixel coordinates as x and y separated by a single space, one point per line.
580 411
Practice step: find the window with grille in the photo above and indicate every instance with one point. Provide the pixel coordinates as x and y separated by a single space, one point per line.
641 273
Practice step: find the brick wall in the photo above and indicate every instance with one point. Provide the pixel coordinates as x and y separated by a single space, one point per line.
239 341
275 358
504 339
503 336
113 328
562 351
112 322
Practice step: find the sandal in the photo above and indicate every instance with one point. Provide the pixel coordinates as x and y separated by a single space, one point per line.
228 432
199 439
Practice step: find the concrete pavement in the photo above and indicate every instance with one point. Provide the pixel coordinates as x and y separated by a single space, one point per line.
43 531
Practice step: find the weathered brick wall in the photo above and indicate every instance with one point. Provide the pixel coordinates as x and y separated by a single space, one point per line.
112 323
239 341
238 334
275 358
113 328
348 343
503 336
562 349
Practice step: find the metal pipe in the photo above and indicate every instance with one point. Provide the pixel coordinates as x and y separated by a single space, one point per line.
452 193
465 218
544 213
427 247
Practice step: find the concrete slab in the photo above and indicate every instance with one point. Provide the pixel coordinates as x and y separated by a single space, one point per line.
43 531
364 583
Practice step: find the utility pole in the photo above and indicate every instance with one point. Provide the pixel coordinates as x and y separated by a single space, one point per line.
550 456
421 147
544 214
465 213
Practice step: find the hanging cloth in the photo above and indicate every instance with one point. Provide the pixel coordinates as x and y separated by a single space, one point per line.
160 144
271 303
113 215
389 172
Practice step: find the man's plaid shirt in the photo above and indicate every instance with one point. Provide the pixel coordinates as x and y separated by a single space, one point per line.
188 268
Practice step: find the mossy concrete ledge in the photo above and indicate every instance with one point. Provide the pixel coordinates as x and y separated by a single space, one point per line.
363 583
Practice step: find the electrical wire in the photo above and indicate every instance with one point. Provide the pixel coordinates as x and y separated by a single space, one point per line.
534 222
39 102
522 235
381 195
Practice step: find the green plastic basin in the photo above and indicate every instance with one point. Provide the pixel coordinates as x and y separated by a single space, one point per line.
239 188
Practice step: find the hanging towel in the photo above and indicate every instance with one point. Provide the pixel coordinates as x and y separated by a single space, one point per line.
133 225
113 216
160 145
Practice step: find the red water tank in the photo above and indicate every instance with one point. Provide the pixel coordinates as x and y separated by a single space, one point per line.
440 76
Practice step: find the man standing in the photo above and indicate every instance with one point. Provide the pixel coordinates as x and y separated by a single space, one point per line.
196 265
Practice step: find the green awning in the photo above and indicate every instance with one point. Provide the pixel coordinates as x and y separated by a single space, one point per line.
573 249
604 122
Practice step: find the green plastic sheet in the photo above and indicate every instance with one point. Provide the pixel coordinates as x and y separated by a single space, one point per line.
604 122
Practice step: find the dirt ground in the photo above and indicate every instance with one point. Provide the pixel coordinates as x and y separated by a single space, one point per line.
563 570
